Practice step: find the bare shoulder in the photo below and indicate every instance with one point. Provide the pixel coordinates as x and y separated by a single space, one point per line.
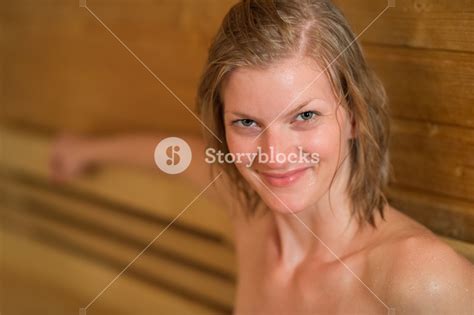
425 275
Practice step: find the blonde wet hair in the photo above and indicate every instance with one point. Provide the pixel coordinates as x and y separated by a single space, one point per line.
259 34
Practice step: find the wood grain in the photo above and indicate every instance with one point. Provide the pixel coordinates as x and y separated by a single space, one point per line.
433 158
80 78
174 243
170 275
426 85
64 70
441 25
44 279
446 216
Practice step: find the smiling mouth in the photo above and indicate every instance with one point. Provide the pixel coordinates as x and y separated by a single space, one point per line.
283 179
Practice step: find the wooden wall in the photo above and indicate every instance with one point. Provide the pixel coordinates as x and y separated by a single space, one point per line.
62 70
423 51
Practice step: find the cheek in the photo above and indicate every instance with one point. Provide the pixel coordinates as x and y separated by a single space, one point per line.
324 141
232 141
331 139
237 143
240 145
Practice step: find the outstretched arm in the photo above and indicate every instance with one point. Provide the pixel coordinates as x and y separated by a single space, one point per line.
72 155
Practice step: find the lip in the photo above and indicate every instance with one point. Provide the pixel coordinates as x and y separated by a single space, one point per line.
283 179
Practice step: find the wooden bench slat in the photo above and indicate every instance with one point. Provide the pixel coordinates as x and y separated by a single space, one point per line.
56 282
174 276
447 216
214 255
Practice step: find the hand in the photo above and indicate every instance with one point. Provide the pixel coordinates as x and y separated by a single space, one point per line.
69 157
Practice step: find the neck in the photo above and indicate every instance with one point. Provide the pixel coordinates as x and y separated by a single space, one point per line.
322 232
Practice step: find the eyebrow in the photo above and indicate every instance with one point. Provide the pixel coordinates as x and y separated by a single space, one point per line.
292 112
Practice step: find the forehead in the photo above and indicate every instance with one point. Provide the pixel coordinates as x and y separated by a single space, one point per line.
275 87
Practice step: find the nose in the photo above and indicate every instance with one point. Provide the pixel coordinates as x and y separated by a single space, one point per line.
276 144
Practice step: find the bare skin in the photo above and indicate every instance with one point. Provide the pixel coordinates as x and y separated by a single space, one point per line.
391 261
304 255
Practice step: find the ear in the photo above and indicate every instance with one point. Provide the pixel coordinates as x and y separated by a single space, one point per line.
350 127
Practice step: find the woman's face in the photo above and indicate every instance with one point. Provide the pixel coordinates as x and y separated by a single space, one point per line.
277 113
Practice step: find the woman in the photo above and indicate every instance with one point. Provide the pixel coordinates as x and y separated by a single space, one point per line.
312 237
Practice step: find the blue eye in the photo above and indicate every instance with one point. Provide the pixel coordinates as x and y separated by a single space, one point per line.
305 116
244 122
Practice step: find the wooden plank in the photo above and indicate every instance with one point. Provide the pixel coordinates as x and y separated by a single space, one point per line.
442 24
463 248
149 192
425 85
66 282
441 94
446 216
207 253
433 158
41 297
201 286
80 77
